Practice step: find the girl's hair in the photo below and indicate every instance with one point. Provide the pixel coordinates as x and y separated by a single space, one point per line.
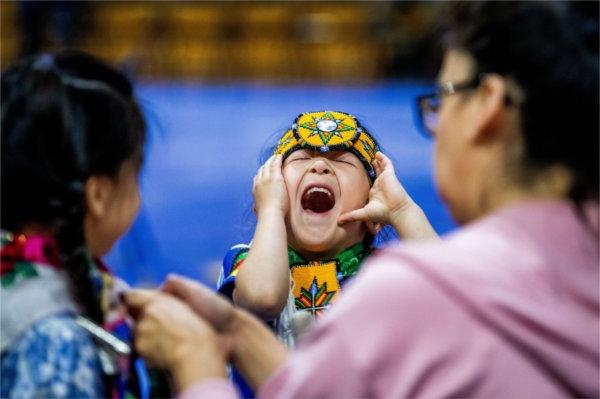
66 116
550 50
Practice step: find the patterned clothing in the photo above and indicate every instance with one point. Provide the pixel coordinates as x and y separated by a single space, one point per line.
46 351
55 358
315 284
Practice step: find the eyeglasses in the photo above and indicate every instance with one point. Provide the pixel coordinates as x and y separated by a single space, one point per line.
428 105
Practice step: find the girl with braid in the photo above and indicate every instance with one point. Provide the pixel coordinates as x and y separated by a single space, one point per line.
72 145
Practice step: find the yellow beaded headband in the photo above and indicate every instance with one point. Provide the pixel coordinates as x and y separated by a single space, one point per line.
326 131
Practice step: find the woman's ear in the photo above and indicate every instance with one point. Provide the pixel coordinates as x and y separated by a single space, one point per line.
487 111
99 191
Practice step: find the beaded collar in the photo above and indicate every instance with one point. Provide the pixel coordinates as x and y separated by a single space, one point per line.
348 261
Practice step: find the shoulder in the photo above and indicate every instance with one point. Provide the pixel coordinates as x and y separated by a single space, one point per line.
399 288
390 314
232 257
54 358
60 333
471 275
517 250
393 279
231 262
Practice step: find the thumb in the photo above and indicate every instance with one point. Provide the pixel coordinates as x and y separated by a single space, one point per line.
184 288
137 299
205 302
353 216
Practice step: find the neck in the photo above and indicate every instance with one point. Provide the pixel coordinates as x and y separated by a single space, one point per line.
324 255
552 182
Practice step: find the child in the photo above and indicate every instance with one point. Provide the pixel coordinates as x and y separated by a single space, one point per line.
310 237
72 145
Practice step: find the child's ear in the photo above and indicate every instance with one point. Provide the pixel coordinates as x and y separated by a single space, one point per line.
373 227
99 190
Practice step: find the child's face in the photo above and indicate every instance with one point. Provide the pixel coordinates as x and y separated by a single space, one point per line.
322 186
113 203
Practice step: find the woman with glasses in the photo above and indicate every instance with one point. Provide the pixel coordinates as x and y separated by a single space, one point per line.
508 305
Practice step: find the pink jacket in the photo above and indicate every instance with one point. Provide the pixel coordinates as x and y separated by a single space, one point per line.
505 307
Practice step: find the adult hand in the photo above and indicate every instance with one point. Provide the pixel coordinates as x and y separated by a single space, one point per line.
269 190
169 335
212 307
254 349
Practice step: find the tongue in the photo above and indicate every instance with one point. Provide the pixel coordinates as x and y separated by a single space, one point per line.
317 202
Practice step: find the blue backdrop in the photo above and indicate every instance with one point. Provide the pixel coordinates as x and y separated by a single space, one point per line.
203 151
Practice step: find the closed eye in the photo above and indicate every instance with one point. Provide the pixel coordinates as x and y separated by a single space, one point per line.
346 162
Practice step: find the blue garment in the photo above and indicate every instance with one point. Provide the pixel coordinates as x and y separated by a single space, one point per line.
55 358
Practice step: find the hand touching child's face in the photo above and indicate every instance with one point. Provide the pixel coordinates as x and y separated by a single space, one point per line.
322 186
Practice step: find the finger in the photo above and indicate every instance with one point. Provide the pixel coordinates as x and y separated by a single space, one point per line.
384 162
267 165
353 216
276 164
377 165
256 177
143 346
266 168
175 283
137 299
204 301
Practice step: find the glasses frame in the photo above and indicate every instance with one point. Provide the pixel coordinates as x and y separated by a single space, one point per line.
442 89
446 89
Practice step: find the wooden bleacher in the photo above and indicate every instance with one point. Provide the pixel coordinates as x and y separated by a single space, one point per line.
228 40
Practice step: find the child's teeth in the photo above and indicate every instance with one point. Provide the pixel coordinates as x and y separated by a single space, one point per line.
319 189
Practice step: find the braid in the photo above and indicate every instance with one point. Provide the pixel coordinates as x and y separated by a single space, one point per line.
65 117
71 242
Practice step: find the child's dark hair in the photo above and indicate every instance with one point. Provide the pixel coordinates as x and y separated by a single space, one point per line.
550 49
66 116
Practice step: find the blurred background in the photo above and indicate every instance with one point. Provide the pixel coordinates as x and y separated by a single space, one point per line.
219 82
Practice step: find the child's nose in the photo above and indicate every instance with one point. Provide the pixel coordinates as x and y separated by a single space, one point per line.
320 167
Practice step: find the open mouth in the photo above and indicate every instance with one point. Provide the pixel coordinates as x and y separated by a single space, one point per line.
318 199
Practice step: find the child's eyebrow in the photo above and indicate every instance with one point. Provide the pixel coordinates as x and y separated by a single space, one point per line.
299 153
343 154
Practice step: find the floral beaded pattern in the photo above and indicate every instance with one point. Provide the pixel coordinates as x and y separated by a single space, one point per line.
315 284
55 358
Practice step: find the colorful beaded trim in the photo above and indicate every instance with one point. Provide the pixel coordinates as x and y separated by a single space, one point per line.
316 283
326 131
